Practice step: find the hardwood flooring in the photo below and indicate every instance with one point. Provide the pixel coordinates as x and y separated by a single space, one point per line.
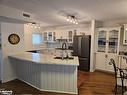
96 83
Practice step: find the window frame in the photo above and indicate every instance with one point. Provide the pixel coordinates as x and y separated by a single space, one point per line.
42 39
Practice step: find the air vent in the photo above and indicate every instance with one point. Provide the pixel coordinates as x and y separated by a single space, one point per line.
26 15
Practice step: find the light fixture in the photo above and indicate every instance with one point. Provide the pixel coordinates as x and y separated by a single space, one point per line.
33 25
73 19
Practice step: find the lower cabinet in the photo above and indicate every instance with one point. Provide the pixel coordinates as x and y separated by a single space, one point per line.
103 59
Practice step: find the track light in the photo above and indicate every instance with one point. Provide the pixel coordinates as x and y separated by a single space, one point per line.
72 19
33 25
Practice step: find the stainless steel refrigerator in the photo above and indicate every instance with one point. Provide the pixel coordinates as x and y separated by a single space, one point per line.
81 48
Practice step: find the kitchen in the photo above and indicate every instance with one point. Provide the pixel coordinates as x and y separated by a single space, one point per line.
15 20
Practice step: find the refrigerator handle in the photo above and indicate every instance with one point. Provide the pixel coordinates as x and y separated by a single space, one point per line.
80 58
79 45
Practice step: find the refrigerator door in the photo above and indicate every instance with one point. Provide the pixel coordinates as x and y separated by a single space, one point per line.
84 64
85 46
75 47
79 46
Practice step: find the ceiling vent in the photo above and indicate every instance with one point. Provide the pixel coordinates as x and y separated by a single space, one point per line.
26 15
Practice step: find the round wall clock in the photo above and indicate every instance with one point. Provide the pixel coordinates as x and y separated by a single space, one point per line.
14 39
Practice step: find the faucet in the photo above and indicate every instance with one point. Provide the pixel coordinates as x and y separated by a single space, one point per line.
64 46
64 49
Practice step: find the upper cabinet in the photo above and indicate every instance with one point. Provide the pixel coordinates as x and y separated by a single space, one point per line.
61 34
65 35
108 40
49 36
125 35
102 40
70 36
113 41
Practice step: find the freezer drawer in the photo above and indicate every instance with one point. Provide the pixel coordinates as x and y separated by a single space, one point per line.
84 64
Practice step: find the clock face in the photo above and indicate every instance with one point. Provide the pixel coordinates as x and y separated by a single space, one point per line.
14 39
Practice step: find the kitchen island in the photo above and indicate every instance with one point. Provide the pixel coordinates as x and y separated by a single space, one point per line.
46 73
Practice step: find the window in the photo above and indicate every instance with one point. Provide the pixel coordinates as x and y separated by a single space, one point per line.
37 38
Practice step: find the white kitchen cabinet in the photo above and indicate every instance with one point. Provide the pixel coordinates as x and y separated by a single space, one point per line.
49 36
103 59
65 35
125 35
61 34
107 47
100 61
108 40
70 36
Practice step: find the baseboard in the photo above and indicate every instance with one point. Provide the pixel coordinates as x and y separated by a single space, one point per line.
61 92
103 71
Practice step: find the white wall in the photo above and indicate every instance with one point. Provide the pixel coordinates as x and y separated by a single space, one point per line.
14 14
114 23
92 51
9 49
28 38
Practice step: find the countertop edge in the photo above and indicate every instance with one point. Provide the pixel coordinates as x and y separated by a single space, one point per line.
32 61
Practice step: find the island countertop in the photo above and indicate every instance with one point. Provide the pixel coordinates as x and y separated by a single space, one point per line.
37 58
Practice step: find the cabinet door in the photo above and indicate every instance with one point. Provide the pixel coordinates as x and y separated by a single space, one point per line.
45 36
49 36
100 61
84 64
64 34
102 41
70 36
110 67
113 41
58 35
61 34
103 59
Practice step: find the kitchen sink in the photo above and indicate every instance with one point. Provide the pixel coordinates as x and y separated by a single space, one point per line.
63 58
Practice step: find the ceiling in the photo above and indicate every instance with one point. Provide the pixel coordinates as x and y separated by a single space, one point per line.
52 12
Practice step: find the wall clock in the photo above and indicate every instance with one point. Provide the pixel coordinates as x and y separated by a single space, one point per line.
14 39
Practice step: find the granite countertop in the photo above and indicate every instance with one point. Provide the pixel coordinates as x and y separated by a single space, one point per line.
44 59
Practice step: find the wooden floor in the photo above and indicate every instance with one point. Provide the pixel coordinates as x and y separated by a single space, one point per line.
96 83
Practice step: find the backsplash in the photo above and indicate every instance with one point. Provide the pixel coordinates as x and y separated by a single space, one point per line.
56 45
